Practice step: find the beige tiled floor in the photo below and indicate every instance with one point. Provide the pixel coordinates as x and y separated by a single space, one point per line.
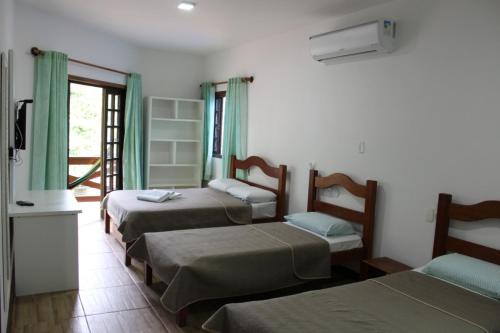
111 299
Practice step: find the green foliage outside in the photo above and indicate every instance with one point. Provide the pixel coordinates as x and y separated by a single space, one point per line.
84 125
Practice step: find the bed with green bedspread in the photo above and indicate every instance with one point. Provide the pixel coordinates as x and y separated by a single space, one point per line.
404 302
223 262
196 208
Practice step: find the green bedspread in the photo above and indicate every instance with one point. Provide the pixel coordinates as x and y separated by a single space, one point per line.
196 208
231 261
404 302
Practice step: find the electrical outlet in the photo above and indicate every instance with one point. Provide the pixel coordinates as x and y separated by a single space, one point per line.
429 216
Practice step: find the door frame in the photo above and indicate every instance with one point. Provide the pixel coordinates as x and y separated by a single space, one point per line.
116 176
106 86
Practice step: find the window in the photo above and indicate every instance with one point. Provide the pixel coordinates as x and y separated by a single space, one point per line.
220 100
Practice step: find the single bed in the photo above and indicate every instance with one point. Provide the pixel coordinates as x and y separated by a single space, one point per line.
196 208
223 262
405 302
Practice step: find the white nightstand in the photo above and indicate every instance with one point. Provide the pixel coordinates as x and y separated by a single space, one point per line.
45 242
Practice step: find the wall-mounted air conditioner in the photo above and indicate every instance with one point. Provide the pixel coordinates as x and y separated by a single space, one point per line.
372 37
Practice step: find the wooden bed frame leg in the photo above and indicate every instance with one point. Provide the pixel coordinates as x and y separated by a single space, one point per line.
181 317
148 277
128 259
107 222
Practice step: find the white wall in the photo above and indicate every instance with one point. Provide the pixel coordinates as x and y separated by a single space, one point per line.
429 113
6 11
165 73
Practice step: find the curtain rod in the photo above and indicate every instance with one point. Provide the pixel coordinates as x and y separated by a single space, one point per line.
243 79
36 51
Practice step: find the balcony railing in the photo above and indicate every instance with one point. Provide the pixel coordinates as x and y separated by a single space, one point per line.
89 179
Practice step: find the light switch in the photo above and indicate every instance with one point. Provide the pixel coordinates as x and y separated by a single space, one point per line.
361 147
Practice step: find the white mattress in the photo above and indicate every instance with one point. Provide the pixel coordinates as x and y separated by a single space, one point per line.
264 209
338 243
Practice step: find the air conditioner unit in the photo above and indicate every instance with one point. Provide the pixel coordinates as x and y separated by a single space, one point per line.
372 37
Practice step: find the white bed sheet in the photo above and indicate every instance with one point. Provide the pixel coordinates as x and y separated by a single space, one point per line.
263 210
339 243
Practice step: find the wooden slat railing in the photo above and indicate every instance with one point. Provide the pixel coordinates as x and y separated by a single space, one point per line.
86 161
82 160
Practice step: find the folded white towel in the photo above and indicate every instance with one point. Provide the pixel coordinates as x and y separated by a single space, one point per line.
157 195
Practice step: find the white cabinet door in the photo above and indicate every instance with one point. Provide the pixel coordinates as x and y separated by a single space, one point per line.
5 267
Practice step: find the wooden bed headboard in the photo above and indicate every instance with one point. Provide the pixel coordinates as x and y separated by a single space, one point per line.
279 173
368 192
448 210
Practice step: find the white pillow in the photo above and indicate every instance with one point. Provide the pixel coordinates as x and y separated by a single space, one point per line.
223 184
252 194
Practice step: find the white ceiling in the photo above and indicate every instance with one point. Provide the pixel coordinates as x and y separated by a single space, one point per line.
213 25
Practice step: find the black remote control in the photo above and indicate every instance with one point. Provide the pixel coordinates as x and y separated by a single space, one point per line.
24 203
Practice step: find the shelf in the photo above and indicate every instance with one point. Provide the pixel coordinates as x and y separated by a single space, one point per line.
163 108
174 140
174 184
172 165
161 153
189 110
175 119
188 153
176 130
174 133
176 99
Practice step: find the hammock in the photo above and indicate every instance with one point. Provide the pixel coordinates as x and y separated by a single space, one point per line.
86 176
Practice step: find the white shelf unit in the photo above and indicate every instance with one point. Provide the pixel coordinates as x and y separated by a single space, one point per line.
174 142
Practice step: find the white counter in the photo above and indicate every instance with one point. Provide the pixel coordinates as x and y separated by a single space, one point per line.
57 202
45 242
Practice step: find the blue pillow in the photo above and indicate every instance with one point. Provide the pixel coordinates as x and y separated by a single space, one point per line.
471 273
321 224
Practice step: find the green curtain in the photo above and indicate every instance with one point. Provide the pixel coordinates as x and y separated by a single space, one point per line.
208 94
133 136
49 147
235 124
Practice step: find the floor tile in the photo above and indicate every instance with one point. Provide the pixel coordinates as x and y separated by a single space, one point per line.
153 292
73 325
116 246
136 269
168 320
98 261
92 229
109 293
90 235
195 318
142 320
92 247
49 308
104 278
97 301
84 221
